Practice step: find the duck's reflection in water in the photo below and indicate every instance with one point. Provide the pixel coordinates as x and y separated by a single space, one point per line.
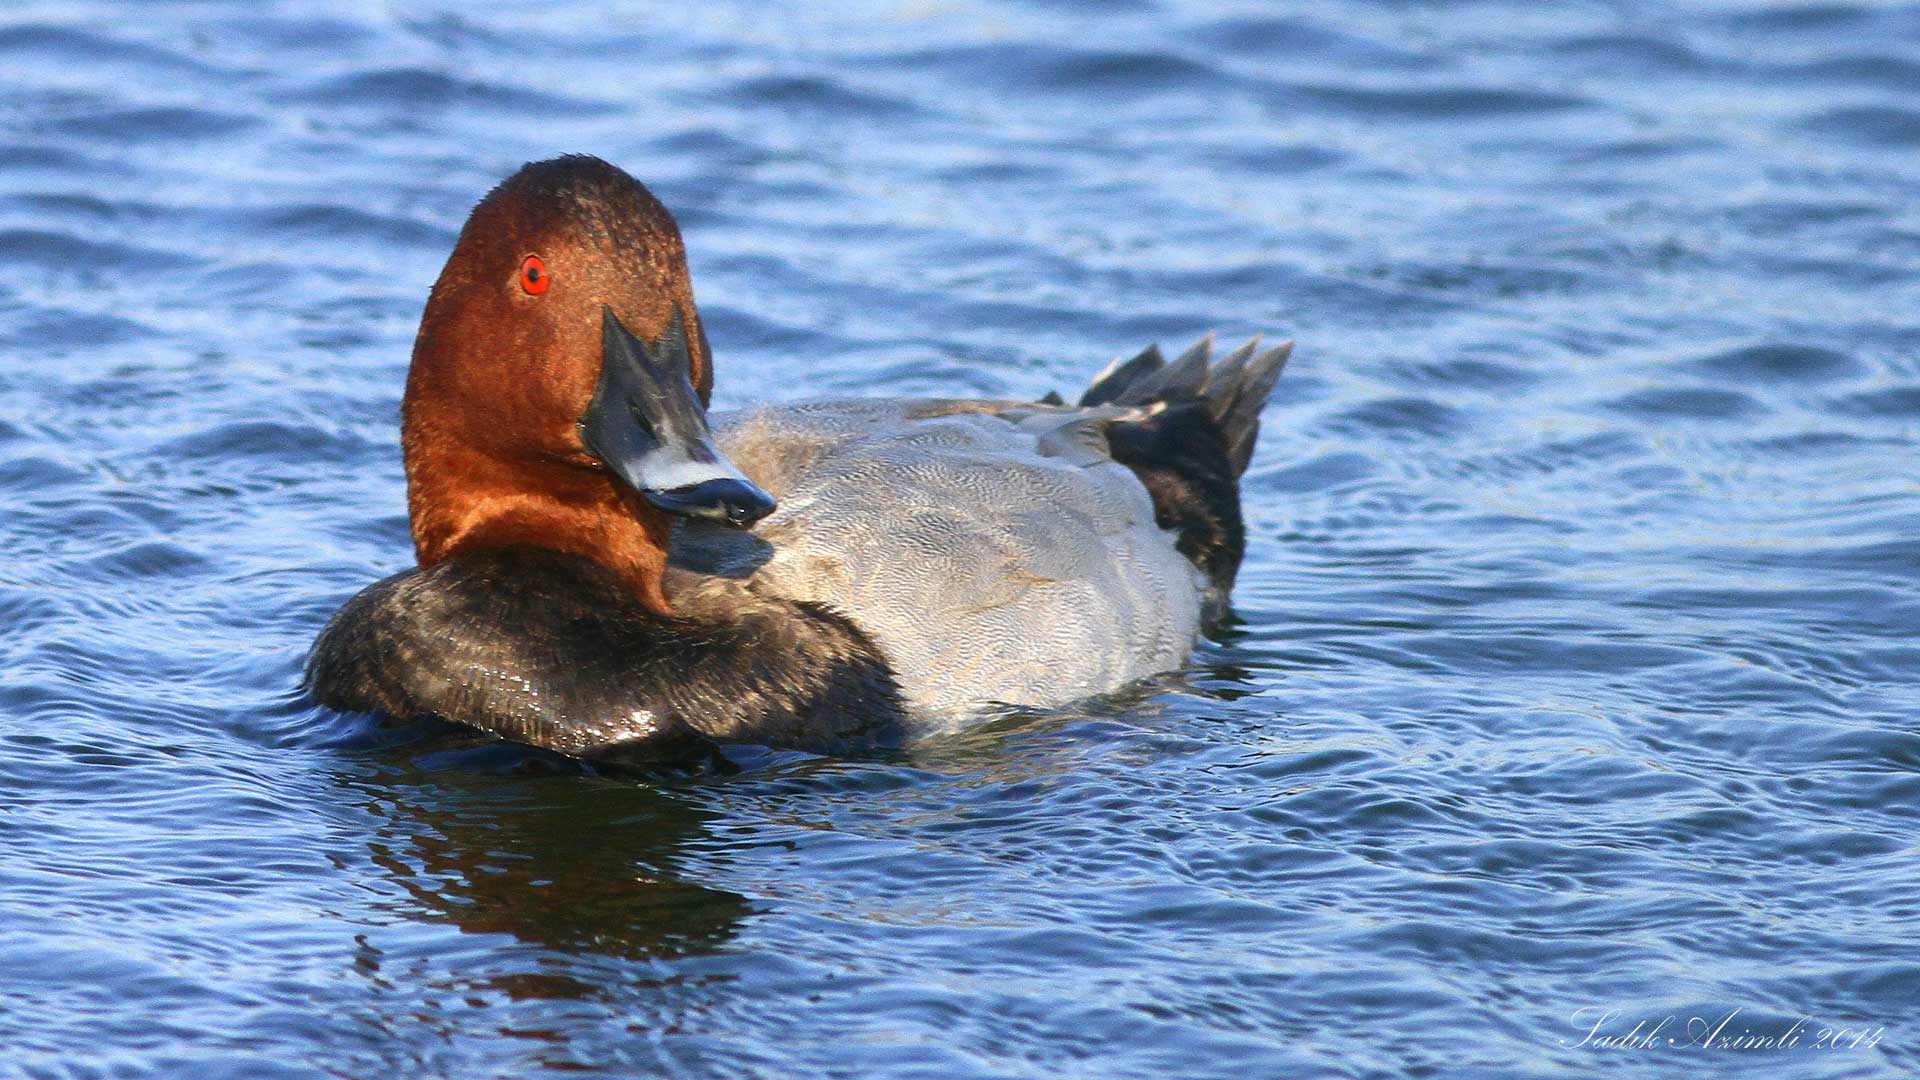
529 910
499 839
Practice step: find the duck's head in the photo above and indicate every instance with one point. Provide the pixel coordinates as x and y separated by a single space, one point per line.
558 391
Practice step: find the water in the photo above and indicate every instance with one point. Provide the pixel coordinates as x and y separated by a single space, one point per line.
1576 669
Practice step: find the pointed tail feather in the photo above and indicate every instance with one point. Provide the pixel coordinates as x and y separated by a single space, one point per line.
1235 389
1236 400
1114 379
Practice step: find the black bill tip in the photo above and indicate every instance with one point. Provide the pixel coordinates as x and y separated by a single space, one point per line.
725 500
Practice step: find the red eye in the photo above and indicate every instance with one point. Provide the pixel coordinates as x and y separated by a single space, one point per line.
533 275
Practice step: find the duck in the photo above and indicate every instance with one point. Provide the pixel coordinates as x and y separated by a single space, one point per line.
606 569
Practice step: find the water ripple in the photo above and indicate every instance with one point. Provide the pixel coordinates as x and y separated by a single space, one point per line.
1573 661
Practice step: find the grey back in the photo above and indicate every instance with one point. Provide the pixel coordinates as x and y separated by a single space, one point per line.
993 550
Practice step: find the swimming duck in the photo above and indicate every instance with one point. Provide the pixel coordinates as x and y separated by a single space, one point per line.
607 569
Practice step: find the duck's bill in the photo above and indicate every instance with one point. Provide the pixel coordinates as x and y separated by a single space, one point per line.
647 426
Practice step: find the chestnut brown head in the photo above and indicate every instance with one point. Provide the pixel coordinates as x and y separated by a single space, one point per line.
559 383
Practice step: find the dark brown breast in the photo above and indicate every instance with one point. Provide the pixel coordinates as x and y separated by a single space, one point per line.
546 648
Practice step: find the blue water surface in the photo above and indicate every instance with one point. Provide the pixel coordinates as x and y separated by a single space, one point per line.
1576 686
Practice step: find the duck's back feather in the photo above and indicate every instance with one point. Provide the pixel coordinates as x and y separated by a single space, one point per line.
994 551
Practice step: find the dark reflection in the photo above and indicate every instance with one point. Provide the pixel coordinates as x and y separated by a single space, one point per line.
498 838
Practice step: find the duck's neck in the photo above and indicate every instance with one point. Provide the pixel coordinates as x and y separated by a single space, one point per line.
468 507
